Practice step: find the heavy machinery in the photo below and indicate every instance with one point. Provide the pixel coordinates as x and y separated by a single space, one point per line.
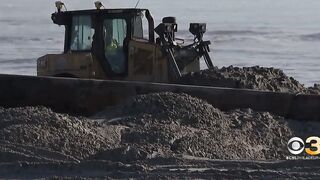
108 58
111 44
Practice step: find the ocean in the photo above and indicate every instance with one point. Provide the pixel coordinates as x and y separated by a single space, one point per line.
283 34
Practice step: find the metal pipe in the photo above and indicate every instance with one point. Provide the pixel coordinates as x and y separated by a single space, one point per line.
83 96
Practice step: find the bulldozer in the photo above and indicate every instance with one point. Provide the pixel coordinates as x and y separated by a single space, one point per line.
120 44
111 55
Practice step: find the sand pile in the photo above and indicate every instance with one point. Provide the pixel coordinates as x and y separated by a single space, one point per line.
52 135
259 78
167 124
146 128
314 90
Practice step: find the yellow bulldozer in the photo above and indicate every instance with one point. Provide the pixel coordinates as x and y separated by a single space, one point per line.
111 55
120 44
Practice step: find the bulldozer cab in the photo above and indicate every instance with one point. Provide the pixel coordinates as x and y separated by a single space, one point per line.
105 35
120 44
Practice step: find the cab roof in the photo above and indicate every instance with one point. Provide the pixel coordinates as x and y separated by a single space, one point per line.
60 17
104 11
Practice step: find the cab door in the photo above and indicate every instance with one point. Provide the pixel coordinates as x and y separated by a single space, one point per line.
145 61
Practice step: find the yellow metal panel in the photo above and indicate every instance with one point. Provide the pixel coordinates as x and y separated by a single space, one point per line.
73 65
141 61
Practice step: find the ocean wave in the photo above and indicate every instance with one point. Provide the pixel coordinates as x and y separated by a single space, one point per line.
12 22
23 21
227 36
237 32
11 39
230 32
246 52
310 37
18 61
25 68
220 39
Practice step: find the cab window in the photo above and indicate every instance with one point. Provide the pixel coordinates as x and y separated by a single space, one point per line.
140 27
81 33
137 27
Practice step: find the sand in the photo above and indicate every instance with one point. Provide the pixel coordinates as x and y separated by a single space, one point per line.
160 135
259 78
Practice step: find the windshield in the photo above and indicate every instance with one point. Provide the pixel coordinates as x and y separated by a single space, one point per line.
82 33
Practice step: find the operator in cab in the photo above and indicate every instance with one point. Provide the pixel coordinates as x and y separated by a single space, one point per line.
113 52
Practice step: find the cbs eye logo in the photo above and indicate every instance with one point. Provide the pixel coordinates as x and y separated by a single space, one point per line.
295 145
312 145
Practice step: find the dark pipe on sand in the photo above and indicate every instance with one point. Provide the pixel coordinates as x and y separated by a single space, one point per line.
82 96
